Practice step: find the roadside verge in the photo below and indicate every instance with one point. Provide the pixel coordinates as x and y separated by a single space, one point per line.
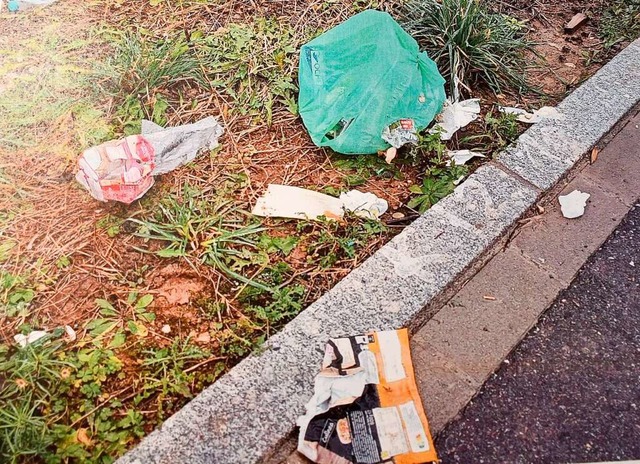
246 415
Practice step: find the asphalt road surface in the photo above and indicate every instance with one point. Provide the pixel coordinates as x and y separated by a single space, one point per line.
570 392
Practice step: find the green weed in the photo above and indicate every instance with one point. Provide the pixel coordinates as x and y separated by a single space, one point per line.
440 176
361 168
470 44
438 182
497 132
329 242
143 70
16 294
255 64
620 22
209 228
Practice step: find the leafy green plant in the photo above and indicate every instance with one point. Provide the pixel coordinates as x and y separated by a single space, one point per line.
498 132
255 64
143 68
620 21
470 44
362 167
16 294
329 242
210 228
110 224
164 369
440 176
437 184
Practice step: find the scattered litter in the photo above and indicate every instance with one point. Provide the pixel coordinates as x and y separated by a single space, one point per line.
400 133
458 180
632 264
365 406
398 215
460 157
175 146
576 23
285 201
546 112
71 334
165 329
489 298
366 205
345 103
455 116
573 204
24 340
123 170
594 154
19 5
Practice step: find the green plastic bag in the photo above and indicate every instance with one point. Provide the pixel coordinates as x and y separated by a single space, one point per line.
362 77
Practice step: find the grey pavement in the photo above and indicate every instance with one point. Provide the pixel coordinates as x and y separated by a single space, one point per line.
570 392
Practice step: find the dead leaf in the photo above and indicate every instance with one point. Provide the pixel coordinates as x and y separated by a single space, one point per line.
391 155
594 154
82 437
204 337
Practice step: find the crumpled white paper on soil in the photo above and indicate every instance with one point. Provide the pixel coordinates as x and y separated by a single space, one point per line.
285 201
455 116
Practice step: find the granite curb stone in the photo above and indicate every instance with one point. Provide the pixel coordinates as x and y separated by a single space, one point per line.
245 415
547 150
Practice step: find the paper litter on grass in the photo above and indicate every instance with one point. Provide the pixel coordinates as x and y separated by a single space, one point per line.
24 340
460 157
546 112
285 201
366 407
455 116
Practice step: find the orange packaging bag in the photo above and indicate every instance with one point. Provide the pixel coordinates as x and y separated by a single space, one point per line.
366 408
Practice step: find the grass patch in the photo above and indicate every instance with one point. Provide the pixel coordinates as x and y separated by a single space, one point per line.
252 66
620 22
470 44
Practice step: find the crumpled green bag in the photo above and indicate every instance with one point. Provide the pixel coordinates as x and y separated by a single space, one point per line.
362 76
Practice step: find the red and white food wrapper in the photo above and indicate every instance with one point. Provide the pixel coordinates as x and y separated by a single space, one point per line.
119 170
123 170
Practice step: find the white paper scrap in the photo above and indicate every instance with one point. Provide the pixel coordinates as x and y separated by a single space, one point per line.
546 112
460 157
24 340
573 204
455 116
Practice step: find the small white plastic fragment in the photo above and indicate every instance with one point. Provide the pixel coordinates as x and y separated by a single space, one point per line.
366 205
24 340
460 157
455 116
546 112
71 334
573 204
